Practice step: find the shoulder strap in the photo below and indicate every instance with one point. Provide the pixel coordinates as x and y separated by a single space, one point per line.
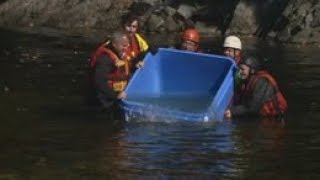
142 43
269 77
95 56
111 54
115 58
135 45
256 77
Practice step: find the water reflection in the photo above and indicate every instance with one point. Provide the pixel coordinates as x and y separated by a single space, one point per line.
262 148
46 131
187 149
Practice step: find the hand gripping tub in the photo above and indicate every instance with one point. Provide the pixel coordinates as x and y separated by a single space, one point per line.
181 85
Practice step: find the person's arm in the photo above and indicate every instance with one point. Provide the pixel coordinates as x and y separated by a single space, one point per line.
103 67
262 92
138 62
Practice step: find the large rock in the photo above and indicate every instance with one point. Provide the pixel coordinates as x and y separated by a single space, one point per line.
155 22
244 20
64 14
296 21
316 18
172 25
302 25
186 10
207 30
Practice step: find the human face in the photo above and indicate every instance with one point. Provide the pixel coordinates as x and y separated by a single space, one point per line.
122 44
244 71
189 45
132 28
231 52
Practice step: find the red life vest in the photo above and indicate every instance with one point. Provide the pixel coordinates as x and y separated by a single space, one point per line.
96 55
134 46
118 79
277 105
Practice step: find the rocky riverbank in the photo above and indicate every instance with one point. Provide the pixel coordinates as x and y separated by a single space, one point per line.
290 21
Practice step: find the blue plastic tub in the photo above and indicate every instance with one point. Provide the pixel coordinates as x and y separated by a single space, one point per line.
181 85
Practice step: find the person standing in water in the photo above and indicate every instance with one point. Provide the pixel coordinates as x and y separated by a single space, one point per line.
110 70
258 94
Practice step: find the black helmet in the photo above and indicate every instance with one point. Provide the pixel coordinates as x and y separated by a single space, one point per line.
251 61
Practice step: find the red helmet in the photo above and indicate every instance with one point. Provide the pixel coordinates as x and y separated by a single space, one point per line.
191 35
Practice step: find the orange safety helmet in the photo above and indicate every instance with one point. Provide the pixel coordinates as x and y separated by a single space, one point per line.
191 35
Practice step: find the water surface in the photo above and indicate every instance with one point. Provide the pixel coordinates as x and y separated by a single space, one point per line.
47 131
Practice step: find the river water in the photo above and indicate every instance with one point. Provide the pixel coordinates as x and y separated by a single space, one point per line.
48 132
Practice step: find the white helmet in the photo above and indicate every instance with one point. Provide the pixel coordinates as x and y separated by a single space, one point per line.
232 42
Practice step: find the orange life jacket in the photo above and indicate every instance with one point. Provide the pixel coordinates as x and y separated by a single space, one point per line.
276 105
118 79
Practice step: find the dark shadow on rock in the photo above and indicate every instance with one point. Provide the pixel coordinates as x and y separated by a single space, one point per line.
139 8
229 9
217 13
3 1
269 16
